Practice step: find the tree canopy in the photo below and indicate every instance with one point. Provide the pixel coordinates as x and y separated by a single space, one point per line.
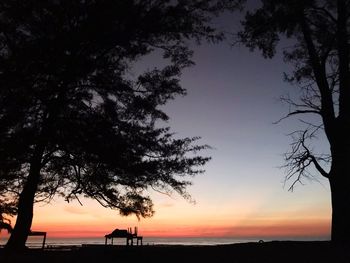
73 120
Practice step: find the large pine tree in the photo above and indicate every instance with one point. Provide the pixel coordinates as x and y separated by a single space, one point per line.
72 120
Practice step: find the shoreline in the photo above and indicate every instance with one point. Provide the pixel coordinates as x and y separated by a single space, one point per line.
151 240
272 251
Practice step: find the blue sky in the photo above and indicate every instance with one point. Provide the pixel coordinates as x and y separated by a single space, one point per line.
232 103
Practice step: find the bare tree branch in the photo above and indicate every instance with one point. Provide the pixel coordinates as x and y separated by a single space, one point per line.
313 158
296 113
300 158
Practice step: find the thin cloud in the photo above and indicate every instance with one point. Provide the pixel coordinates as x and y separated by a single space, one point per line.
75 210
167 204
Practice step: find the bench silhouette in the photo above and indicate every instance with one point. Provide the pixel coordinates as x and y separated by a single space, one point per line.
8 227
38 233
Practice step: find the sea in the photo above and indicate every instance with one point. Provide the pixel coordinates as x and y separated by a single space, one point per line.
52 242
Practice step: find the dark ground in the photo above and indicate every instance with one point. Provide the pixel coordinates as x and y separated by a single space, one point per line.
286 251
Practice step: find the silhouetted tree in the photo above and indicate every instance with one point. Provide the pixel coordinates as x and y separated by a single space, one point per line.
7 209
8 206
319 47
73 120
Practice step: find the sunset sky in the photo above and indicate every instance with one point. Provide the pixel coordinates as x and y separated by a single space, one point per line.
232 102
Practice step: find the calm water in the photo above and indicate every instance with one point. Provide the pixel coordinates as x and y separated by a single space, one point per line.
37 241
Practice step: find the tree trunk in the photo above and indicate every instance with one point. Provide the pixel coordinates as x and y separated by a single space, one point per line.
24 219
340 191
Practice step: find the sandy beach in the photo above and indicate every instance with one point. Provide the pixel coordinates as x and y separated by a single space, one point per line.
275 251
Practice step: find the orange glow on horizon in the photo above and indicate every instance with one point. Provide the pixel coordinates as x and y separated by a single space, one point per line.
253 218
272 229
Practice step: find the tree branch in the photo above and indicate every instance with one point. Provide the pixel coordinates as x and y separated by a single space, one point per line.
296 113
326 12
313 158
299 159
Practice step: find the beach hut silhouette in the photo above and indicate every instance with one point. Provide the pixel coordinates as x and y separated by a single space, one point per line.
125 233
